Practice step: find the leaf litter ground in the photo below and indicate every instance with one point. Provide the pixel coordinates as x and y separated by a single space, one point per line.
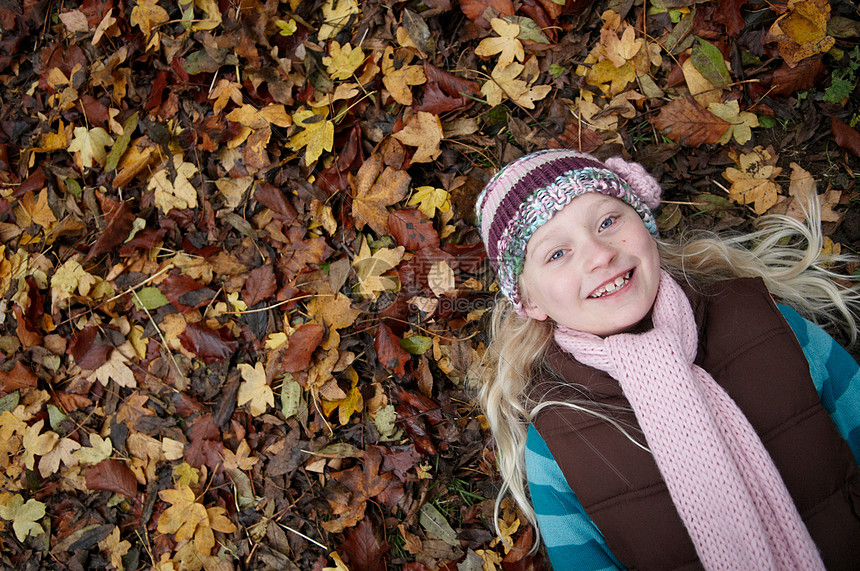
243 296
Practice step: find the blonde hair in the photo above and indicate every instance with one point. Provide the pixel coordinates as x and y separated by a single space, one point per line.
787 254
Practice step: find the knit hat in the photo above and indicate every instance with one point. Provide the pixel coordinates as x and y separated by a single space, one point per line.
527 192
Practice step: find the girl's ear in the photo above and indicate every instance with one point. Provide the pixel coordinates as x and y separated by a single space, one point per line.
533 311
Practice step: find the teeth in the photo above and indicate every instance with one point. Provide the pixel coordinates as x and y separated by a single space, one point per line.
611 287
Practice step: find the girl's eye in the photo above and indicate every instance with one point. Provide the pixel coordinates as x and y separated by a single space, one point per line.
607 223
556 255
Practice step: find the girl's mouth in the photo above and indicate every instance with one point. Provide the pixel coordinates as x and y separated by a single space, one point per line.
611 287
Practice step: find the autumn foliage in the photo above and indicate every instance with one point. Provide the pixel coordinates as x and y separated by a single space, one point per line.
243 296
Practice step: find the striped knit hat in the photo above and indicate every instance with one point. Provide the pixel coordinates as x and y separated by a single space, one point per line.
526 193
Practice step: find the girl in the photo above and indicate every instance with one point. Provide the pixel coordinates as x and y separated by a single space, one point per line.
664 411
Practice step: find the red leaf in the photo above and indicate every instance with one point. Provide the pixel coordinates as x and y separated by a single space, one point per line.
845 136
412 230
474 9
261 284
363 548
804 75
449 83
427 406
34 183
116 232
185 293
392 356
436 102
303 341
729 14
112 475
275 199
18 377
88 348
688 123
209 345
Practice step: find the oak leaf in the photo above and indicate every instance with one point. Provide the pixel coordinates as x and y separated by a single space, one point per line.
178 193
255 389
506 45
24 516
370 268
317 134
398 78
422 130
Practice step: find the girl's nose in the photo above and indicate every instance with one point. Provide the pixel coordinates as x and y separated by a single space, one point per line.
598 254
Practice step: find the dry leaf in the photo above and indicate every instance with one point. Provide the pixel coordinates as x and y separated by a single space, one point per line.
506 45
375 189
752 182
423 130
370 269
398 78
255 389
178 193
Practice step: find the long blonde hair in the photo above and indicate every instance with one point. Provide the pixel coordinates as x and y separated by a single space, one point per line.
787 254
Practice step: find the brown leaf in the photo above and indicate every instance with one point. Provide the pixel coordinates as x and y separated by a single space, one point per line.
185 293
306 338
89 349
18 376
209 345
391 355
688 123
364 549
451 84
787 80
436 102
845 136
474 10
412 230
115 233
729 14
375 189
276 200
112 475
261 284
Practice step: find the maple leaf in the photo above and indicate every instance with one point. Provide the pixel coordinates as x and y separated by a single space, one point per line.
423 130
224 91
179 193
336 14
375 189
335 312
31 210
115 548
370 269
608 77
398 78
342 61
99 449
89 144
752 182
317 134
506 45
68 278
147 14
24 516
620 51
504 84
241 459
740 122
36 444
255 389
352 402
62 452
184 516
803 192
429 199
115 368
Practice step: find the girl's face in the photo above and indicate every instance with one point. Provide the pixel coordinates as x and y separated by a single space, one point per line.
593 267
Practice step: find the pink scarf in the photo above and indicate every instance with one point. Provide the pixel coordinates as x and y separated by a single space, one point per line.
723 482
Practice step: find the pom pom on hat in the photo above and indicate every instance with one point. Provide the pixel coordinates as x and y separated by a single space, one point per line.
527 192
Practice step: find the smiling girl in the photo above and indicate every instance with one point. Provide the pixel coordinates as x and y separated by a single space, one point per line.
662 409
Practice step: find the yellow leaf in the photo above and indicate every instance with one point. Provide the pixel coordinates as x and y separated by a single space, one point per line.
398 78
98 450
370 269
213 15
333 312
68 278
343 61
56 141
62 452
147 14
316 136
422 130
178 193
752 182
36 444
802 31
115 548
184 515
24 516
606 72
255 389
375 189
224 91
506 45
90 145
620 51
505 84
740 122
440 278
250 116
429 199
115 368
275 340
35 211
336 14
241 459
702 90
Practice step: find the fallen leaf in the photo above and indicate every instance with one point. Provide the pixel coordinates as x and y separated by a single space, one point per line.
317 134
24 516
505 84
688 123
342 62
752 182
336 14
506 45
398 79
375 189
113 476
740 122
115 548
255 389
845 136
302 343
89 144
370 269
62 452
802 31
178 193
422 130
389 352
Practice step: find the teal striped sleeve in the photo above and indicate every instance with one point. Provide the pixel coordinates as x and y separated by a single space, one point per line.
835 373
571 538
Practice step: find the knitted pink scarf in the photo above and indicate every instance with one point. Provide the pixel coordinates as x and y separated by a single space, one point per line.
720 477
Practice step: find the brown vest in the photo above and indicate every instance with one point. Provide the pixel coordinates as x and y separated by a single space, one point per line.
749 349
